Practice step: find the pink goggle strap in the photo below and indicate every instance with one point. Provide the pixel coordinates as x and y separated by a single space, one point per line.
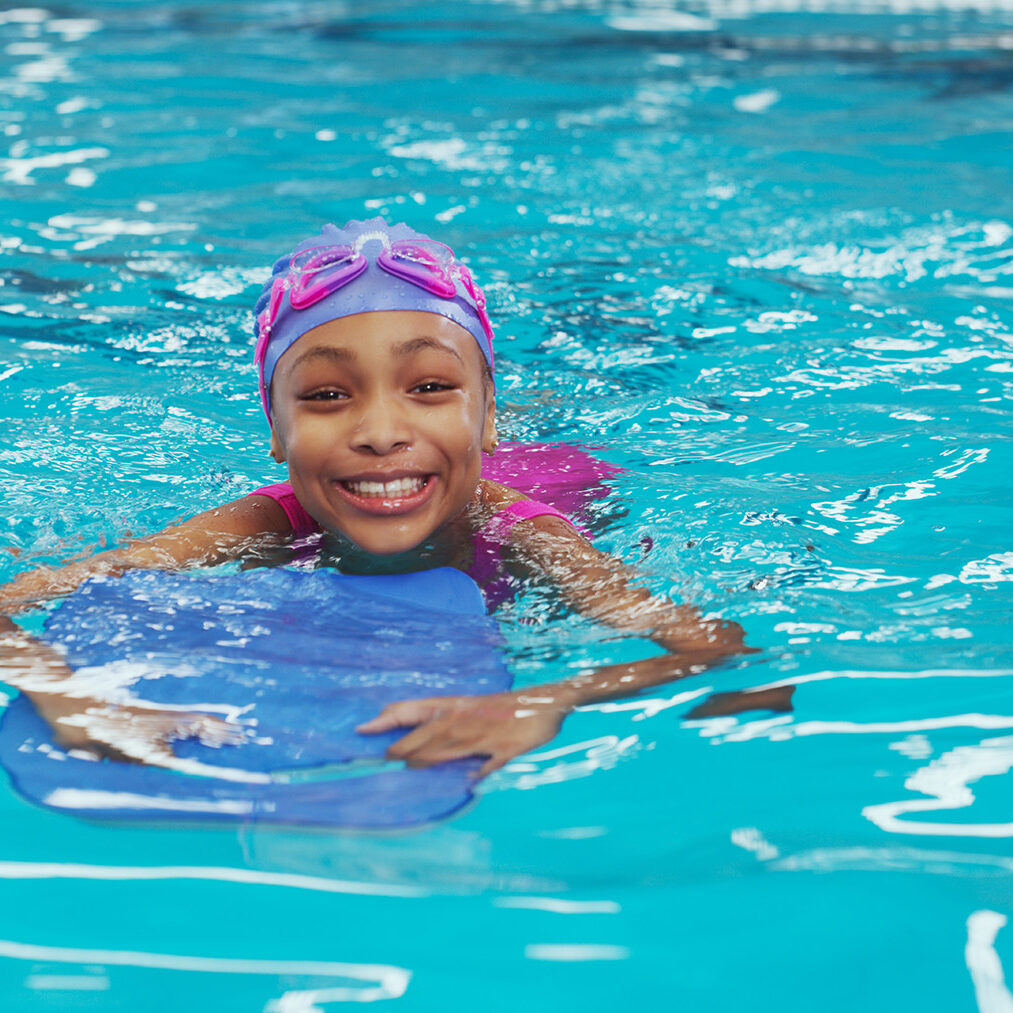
478 298
264 324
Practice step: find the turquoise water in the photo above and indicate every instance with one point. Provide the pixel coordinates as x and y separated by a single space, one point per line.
762 255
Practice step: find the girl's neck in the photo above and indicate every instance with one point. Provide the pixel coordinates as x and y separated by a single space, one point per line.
450 546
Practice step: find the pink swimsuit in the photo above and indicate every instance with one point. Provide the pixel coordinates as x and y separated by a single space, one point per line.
487 565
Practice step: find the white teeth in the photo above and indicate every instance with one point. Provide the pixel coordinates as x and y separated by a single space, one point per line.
397 489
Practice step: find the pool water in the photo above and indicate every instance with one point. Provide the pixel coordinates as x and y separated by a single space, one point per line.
762 255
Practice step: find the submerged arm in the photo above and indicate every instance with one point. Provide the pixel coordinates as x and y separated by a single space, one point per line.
604 589
134 731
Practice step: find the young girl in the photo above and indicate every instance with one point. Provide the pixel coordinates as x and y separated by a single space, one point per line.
376 373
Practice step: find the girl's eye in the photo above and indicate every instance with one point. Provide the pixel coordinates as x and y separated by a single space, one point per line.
329 394
431 387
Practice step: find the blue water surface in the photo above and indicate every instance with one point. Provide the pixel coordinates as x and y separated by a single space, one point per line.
762 255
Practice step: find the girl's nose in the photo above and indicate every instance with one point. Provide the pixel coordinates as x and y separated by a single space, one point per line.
381 428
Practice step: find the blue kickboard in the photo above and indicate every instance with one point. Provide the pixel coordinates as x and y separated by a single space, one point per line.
305 655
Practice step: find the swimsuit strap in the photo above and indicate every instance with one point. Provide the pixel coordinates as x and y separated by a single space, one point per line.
487 563
524 509
282 494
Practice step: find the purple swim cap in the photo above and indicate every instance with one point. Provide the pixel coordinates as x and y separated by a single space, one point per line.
364 267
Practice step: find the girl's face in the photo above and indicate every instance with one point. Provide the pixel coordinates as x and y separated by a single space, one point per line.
382 417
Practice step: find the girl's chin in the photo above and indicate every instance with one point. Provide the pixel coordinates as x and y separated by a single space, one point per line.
384 535
413 527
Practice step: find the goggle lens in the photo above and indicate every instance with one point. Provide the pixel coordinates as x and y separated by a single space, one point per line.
428 265
321 271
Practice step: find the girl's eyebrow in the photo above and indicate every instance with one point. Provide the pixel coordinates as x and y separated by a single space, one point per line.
325 352
421 343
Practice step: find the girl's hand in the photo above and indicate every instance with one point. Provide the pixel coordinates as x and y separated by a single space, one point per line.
129 733
499 726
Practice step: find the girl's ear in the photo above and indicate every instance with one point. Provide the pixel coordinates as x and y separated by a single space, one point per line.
277 450
489 436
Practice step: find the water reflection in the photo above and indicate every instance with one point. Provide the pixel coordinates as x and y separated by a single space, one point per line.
758 251
382 982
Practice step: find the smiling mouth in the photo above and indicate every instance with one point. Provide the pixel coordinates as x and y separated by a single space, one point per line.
398 488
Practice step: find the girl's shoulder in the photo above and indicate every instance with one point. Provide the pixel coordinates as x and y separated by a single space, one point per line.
285 498
494 496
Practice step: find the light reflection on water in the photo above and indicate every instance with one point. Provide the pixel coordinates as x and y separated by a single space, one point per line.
761 255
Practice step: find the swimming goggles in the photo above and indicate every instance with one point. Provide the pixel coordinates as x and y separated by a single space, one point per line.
320 271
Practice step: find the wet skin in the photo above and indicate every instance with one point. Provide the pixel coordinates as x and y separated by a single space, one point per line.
381 418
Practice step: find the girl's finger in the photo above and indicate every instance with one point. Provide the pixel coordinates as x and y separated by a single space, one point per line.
424 758
211 731
494 762
154 752
411 742
398 715
437 744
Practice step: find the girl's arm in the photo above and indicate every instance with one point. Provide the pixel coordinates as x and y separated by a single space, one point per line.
212 537
502 725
